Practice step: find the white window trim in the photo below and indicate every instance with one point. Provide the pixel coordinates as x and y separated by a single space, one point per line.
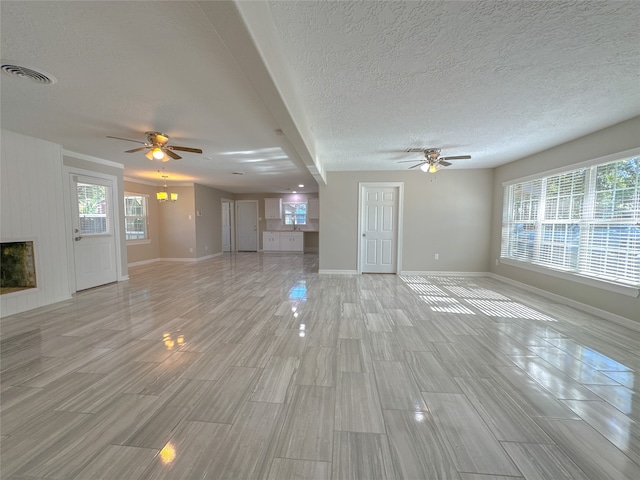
627 290
145 241
138 241
574 277
284 214
634 152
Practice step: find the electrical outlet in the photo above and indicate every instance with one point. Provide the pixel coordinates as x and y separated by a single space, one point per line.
206 247
436 256
497 261
191 250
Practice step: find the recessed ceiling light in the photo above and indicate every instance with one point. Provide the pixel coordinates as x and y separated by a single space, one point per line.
301 185
294 192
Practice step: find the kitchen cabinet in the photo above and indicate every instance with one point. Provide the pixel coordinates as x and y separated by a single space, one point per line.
313 208
273 208
291 241
283 242
271 241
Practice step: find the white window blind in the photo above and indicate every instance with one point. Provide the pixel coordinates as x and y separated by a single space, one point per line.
585 221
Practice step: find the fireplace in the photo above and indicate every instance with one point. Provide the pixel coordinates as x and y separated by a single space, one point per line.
17 267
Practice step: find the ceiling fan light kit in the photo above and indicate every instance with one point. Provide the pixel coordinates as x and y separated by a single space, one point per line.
429 167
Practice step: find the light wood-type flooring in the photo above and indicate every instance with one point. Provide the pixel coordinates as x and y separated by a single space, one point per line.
252 366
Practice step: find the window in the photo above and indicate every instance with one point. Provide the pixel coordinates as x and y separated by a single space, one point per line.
295 213
585 221
135 216
92 209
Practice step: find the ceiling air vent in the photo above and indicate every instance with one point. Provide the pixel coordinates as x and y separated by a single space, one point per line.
37 76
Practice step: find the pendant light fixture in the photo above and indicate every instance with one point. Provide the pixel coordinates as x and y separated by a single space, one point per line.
163 196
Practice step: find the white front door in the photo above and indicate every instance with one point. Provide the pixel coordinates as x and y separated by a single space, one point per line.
226 226
379 207
247 225
94 245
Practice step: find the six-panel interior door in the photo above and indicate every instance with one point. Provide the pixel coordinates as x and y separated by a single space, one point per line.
94 245
247 225
379 222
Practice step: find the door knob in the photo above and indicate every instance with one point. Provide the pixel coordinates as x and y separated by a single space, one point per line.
77 239
364 234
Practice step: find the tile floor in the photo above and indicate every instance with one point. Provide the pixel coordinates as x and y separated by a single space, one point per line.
253 366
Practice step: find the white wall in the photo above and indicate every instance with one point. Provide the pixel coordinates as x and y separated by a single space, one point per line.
178 225
149 251
208 201
618 138
31 208
448 213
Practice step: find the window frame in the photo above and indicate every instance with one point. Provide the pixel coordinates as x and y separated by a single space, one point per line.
588 225
144 217
289 216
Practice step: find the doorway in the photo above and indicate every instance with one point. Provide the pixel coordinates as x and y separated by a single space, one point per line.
227 226
94 231
247 225
380 227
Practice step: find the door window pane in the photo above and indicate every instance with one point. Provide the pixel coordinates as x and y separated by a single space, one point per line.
92 209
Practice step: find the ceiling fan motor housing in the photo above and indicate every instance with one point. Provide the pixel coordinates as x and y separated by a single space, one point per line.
157 138
432 153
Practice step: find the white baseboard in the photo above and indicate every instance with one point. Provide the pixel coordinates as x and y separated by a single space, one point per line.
207 257
287 252
612 317
123 278
338 272
190 259
445 274
143 262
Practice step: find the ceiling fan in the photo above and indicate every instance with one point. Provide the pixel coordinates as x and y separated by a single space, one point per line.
157 145
432 160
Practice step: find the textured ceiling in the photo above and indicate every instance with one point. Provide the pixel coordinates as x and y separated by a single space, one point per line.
351 84
123 68
497 80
